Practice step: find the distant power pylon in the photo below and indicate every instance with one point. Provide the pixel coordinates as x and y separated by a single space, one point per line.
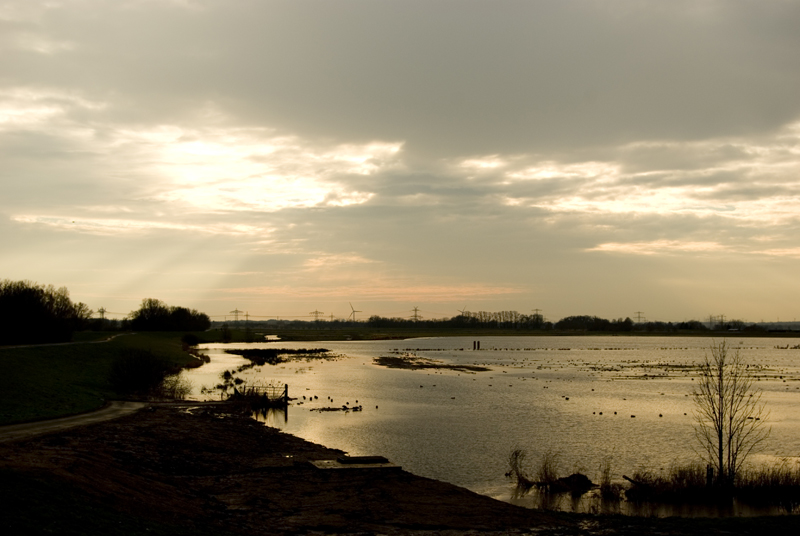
416 316
102 312
236 313
316 314
639 317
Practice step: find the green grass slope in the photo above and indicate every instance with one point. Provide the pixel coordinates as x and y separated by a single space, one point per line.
44 382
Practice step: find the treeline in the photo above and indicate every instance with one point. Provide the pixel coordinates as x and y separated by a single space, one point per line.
581 323
480 319
155 315
507 320
33 313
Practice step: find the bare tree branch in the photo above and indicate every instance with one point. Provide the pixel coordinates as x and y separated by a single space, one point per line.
730 420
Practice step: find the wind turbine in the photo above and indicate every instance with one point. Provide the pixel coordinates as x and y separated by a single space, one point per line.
463 311
353 314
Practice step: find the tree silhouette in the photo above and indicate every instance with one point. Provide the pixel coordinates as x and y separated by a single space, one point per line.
155 315
730 417
33 313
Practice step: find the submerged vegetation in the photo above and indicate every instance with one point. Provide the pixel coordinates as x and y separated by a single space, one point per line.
414 363
546 477
275 356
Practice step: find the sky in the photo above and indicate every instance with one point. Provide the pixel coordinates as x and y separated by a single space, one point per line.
612 158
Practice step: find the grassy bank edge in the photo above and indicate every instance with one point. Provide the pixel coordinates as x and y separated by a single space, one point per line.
51 381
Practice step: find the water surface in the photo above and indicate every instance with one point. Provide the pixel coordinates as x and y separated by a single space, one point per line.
585 398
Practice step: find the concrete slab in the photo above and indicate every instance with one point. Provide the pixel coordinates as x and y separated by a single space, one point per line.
336 464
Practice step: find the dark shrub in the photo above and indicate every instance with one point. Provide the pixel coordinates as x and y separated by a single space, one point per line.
138 372
190 339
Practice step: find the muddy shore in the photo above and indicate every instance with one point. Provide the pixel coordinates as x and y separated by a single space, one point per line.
211 470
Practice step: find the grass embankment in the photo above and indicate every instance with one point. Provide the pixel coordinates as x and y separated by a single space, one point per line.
44 382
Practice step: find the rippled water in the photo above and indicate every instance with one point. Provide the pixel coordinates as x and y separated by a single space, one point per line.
585 398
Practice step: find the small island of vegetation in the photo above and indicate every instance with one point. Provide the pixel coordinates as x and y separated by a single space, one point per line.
415 363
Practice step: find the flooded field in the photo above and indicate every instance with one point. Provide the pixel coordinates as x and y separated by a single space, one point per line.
584 398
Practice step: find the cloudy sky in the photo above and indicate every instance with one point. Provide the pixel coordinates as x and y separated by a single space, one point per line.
280 157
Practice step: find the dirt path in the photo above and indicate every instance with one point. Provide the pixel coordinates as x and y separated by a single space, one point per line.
69 343
113 410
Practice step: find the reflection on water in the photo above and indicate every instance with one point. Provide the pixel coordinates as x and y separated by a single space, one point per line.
586 398
593 502
276 417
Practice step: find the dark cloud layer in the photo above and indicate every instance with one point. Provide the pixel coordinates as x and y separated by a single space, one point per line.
575 156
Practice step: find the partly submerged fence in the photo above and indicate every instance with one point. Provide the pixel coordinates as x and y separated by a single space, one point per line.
266 395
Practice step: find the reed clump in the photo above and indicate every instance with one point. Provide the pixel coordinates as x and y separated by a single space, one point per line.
775 485
609 490
680 483
518 471
547 470
546 477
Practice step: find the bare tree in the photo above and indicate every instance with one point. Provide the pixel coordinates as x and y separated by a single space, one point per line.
730 416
